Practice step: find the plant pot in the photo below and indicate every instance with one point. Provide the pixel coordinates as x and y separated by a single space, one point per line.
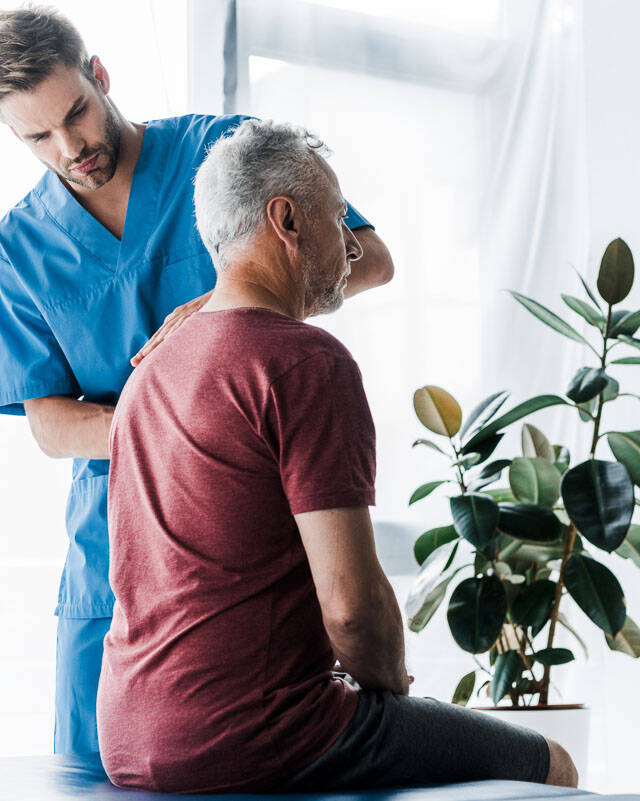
567 724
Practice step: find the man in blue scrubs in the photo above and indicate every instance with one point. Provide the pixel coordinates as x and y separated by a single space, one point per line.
92 261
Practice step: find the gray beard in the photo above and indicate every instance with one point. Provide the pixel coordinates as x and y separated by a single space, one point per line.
320 299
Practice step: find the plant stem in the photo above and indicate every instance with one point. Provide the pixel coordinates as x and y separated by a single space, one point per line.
603 364
568 545
463 487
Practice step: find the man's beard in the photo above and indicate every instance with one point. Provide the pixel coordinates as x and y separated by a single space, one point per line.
110 147
319 298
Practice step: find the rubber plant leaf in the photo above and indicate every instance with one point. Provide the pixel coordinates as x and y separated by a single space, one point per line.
596 591
437 410
615 277
598 497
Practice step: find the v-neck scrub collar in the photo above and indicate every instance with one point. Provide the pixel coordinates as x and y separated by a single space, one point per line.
69 214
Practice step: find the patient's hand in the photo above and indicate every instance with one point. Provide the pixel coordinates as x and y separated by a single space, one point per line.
171 323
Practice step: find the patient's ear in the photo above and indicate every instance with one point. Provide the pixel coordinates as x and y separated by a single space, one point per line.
281 215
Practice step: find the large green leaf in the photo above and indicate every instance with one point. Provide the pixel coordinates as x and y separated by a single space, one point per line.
517 413
615 278
529 522
533 604
429 589
507 669
554 656
626 324
475 517
534 443
629 548
598 497
585 310
484 411
596 591
625 446
550 318
534 481
464 690
586 384
426 543
425 489
437 410
627 640
476 613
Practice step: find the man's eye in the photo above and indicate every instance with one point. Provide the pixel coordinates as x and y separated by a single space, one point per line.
37 139
78 112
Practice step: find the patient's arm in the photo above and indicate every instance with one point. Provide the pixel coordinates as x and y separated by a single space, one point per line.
374 268
359 608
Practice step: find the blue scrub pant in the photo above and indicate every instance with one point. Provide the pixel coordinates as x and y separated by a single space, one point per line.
78 663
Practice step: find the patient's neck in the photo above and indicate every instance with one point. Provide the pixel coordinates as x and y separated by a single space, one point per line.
264 279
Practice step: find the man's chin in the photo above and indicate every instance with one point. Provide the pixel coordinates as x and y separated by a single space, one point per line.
328 304
93 181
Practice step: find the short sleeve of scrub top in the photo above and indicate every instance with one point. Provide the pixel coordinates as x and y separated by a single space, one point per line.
32 365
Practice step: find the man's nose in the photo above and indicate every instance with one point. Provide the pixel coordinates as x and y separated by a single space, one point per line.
71 144
354 248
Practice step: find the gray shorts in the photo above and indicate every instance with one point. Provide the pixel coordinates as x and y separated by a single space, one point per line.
400 741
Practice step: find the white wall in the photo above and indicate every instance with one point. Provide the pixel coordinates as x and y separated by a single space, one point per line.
612 64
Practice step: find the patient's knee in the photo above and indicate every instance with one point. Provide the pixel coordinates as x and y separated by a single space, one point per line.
562 771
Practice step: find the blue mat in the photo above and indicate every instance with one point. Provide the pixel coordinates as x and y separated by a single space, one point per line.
60 778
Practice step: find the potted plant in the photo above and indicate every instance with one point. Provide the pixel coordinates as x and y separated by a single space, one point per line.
537 539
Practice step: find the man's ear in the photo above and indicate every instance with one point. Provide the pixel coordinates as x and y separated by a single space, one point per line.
281 215
100 74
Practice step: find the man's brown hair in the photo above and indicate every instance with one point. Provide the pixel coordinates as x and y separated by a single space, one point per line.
33 41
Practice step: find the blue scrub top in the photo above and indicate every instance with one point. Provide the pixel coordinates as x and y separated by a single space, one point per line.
76 304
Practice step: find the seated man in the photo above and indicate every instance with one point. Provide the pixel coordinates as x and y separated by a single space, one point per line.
242 554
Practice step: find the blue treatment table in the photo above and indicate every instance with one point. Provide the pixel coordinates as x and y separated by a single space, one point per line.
60 778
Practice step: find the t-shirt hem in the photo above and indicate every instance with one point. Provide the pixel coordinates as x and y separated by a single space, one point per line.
332 500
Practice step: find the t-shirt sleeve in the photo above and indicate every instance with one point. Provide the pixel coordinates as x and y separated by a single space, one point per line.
32 364
356 220
323 435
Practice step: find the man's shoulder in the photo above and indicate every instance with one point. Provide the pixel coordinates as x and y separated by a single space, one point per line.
302 345
28 210
203 129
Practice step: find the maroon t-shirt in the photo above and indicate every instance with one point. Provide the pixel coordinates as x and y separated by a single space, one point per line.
217 670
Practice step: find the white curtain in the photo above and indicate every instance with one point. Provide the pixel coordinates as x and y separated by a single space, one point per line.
459 130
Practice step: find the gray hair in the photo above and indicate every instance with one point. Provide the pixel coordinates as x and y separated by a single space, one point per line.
244 171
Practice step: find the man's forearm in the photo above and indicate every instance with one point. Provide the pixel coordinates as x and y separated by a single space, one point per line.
371 648
374 268
65 428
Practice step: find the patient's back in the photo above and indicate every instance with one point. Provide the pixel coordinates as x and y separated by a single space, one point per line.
217 668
